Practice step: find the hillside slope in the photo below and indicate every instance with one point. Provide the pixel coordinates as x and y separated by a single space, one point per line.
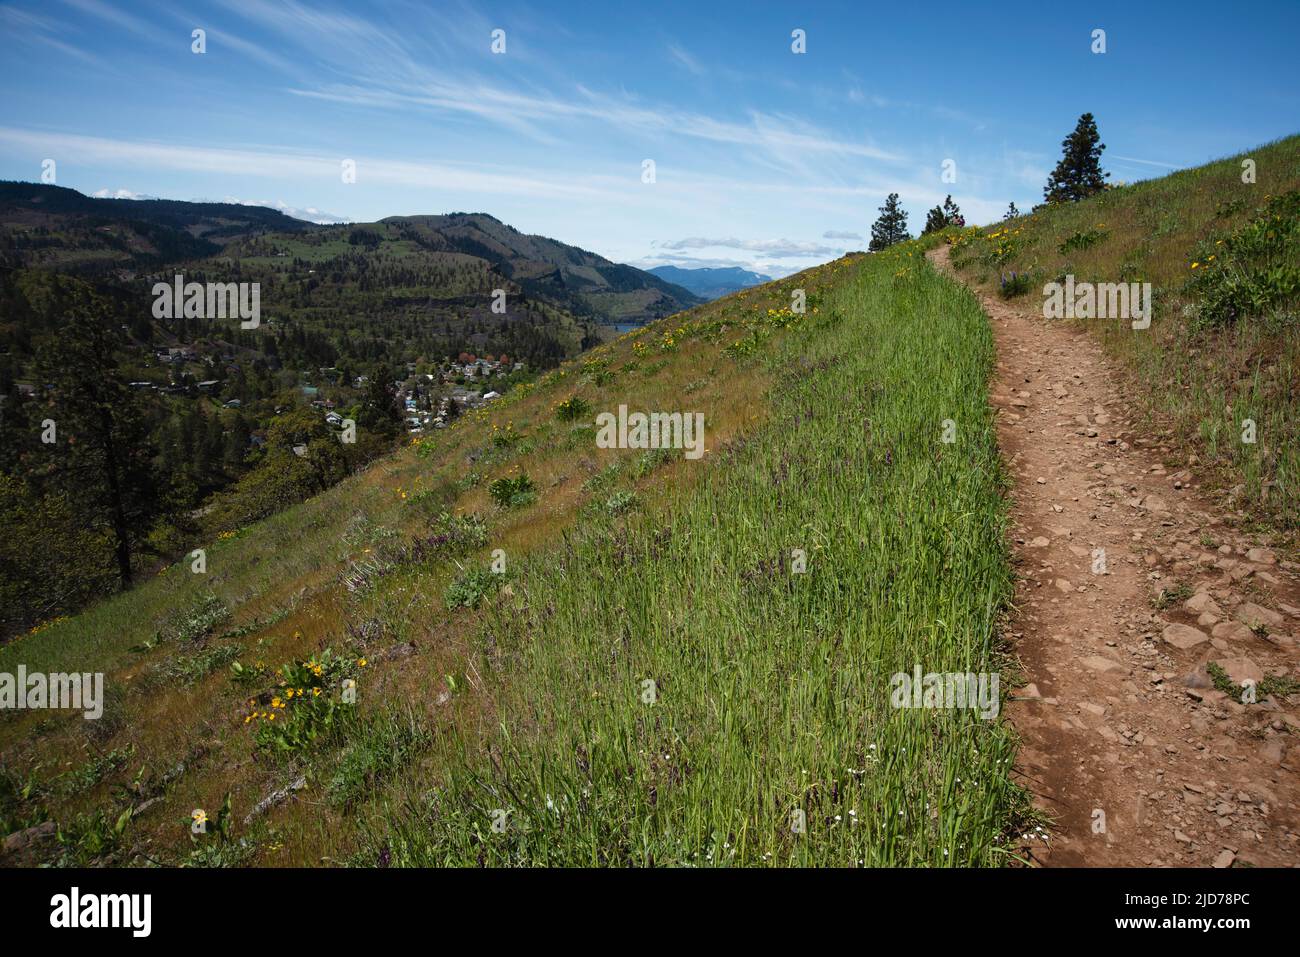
589 284
376 323
54 227
672 659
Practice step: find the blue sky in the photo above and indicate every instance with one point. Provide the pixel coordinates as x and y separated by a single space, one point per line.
763 157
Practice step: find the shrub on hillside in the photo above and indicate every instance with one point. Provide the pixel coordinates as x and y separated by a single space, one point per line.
1253 270
469 590
513 491
572 409
1082 239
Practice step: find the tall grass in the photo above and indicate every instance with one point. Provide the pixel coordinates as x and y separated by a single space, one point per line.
771 687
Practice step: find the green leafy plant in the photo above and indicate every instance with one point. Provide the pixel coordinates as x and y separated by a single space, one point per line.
1082 239
1172 596
1016 284
513 491
1252 270
307 705
572 409
621 502
470 588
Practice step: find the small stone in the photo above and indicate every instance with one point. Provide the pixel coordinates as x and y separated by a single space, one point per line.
1251 614
1183 636
1232 631
1098 663
1203 602
1241 670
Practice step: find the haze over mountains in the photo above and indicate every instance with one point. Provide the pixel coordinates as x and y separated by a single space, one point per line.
710 282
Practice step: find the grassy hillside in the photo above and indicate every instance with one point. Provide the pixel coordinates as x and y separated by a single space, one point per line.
1223 258
522 697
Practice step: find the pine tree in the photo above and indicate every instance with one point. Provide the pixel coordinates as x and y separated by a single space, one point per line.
891 227
1011 212
952 213
102 455
380 412
1078 175
934 221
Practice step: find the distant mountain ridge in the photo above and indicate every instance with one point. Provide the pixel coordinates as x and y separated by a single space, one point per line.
109 231
708 282
545 266
53 227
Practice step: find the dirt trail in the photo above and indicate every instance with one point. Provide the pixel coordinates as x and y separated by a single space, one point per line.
1120 717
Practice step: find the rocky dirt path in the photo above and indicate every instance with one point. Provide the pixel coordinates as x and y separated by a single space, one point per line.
1126 742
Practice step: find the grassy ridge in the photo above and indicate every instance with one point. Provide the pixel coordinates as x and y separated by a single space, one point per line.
771 687
524 691
1203 238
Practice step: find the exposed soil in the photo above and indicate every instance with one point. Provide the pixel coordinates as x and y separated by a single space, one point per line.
1120 717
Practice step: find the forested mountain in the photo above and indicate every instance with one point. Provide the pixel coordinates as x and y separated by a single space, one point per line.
226 421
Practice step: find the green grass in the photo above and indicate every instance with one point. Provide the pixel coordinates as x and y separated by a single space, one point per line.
771 688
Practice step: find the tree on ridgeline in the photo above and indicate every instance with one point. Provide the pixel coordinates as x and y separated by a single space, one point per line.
1011 212
952 213
891 227
1078 175
934 221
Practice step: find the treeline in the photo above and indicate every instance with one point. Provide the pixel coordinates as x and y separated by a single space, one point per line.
1077 176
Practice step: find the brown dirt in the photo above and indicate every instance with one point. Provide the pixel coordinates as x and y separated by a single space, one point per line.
1116 719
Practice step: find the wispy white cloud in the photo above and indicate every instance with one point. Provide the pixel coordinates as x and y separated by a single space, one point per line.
684 59
376 67
1146 162
120 18
120 194
24 26
287 163
771 248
